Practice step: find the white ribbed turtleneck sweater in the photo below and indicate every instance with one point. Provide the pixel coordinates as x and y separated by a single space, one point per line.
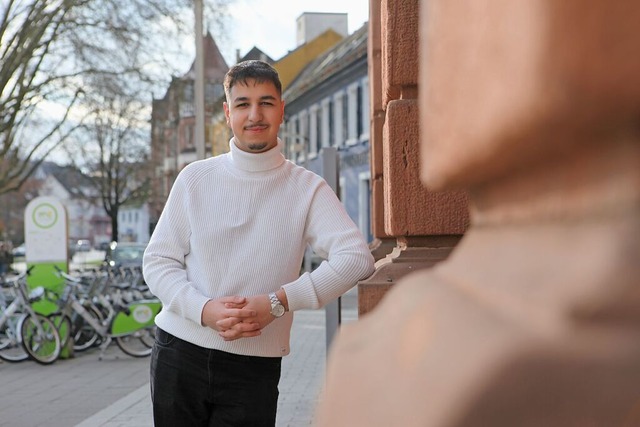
238 224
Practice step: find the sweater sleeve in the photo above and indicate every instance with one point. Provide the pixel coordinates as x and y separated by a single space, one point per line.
164 259
347 259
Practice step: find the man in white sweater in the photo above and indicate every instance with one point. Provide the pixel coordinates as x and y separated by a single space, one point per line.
225 261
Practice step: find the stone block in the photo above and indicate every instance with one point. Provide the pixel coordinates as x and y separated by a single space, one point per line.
506 84
411 209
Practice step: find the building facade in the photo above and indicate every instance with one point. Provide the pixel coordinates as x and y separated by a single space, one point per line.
173 144
327 105
87 219
133 223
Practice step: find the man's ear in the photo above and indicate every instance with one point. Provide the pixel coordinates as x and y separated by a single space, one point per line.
226 112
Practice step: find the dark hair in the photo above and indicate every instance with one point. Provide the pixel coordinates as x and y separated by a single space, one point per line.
253 69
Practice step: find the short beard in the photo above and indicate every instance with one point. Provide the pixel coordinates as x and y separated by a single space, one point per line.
259 146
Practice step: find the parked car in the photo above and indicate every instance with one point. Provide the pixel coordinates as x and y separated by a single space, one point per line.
19 251
103 246
124 254
83 245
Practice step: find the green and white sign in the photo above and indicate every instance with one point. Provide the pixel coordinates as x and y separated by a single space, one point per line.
45 229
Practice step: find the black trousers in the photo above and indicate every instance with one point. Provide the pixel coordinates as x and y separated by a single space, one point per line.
195 386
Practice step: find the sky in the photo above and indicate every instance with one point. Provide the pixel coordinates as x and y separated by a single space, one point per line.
271 24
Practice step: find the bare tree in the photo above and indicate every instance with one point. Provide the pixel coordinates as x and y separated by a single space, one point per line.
51 52
13 208
116 160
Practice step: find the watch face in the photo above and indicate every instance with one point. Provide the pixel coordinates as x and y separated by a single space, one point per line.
277 310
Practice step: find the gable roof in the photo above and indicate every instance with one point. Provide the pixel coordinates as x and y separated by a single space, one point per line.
256 53
74 182
215 67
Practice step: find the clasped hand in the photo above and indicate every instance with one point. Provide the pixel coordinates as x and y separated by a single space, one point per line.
237 317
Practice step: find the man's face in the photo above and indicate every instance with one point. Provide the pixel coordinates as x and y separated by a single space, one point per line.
254 112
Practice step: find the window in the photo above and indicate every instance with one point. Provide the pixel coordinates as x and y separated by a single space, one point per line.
213 92
360 124
366 113
345 116
188 136
325 129
338 119
364 205
313 131
290 138
319 131
331 125
352 127
303 136
188 92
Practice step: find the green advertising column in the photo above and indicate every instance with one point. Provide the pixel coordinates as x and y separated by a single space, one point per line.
45 229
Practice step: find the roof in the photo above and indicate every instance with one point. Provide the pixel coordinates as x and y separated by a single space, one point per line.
256 53
215 67
341 56
73 181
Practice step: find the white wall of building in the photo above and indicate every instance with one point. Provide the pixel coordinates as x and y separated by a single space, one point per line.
310 25
133 224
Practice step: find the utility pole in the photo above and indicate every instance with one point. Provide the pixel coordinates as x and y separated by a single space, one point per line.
199 82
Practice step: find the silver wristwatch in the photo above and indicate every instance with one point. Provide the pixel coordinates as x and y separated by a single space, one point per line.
277 309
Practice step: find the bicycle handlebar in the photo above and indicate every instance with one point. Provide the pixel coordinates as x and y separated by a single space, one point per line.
11 281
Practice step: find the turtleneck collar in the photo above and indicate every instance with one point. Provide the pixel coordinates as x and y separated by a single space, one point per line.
256 162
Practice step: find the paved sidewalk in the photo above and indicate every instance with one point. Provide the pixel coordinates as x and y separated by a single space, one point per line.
68 391
114 392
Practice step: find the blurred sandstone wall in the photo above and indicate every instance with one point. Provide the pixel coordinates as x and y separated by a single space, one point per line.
531 109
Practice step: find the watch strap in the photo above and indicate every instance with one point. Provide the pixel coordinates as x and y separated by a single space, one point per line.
277 309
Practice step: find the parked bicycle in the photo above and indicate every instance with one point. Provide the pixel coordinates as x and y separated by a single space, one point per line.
24 333
106 318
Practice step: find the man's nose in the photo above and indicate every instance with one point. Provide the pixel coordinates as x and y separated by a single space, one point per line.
255 114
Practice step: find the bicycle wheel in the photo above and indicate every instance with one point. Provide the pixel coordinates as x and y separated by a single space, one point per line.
150 338
63 325
135 343
84 335
40 339
11 349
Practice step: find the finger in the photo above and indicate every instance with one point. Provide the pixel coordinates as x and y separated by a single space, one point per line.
246 326
234 300
227 323
233 305
236 324
241 313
